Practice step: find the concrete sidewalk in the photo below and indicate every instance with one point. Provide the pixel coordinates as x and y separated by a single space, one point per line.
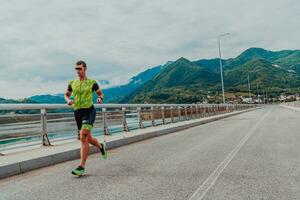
14 163
291 107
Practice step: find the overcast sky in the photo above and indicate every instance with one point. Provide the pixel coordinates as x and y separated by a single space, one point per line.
41 40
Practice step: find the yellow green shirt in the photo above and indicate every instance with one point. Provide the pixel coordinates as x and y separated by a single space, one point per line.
83 92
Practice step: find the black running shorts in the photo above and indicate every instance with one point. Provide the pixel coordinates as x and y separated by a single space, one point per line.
85 118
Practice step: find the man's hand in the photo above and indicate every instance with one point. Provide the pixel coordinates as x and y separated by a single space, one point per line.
70 102
99 100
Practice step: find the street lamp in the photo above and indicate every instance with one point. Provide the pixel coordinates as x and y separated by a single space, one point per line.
219 41
249 88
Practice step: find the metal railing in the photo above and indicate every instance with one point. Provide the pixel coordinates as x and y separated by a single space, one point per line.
108 116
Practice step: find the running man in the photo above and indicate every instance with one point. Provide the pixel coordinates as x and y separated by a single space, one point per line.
84 112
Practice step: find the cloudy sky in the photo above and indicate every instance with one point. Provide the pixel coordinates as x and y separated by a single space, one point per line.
41 40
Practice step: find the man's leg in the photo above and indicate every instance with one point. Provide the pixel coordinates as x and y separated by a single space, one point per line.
78 114
86 139
88 122
100 146
94 141
84 151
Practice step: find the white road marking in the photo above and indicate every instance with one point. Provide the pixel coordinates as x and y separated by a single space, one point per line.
210 181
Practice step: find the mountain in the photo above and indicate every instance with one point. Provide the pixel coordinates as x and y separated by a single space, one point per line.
191 81
115 94
112 94
211 64
186 81
261 72
286 59
59 98
26 100
181 81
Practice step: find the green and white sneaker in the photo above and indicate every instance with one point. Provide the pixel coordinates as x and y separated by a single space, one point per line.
79 171
103 150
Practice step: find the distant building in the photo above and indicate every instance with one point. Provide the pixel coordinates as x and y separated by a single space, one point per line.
247 100
282 97
231 96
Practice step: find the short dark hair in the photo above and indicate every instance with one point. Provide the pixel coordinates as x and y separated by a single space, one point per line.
81 62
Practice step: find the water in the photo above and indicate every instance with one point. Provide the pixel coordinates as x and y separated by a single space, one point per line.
59 131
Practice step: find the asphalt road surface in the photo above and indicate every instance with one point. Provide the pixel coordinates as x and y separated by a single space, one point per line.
255 155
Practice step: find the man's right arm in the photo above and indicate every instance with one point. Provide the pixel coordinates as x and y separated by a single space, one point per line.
68 96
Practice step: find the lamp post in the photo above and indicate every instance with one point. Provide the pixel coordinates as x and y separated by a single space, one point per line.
221 70
249 88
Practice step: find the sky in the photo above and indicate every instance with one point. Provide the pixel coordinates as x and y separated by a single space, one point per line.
42 40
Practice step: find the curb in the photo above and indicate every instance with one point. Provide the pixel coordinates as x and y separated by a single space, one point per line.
28 165
291 107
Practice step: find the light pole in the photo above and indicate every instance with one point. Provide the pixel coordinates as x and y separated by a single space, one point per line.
257 94
221 70
249 90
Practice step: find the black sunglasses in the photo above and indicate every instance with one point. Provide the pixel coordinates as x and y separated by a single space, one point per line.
78 68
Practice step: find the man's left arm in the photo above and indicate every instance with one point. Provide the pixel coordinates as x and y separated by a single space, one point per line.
99 93
100 96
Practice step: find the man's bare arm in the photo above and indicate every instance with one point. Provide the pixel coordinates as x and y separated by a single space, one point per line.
67 98
100 96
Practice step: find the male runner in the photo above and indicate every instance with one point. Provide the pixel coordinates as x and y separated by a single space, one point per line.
84 112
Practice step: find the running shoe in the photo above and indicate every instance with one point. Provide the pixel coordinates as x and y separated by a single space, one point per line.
79 171
103 150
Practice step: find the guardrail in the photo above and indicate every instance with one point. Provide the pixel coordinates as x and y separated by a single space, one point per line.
116 114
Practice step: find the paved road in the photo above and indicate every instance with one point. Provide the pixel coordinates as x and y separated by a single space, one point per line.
255 155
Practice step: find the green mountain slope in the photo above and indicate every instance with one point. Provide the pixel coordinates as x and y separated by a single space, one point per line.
180 81
186 81
261 72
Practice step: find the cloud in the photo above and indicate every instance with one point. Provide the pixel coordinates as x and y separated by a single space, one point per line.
43 39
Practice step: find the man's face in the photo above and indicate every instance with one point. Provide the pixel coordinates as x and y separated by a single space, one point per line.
80 70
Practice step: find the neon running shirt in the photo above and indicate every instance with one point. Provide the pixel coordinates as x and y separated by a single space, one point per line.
83 92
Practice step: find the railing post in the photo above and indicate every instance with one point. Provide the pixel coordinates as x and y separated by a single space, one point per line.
204 110
46 141
200 112
125 126
192 112
105 127
185 112
172 115
152 116
163 115
141 125
209 110
179 113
